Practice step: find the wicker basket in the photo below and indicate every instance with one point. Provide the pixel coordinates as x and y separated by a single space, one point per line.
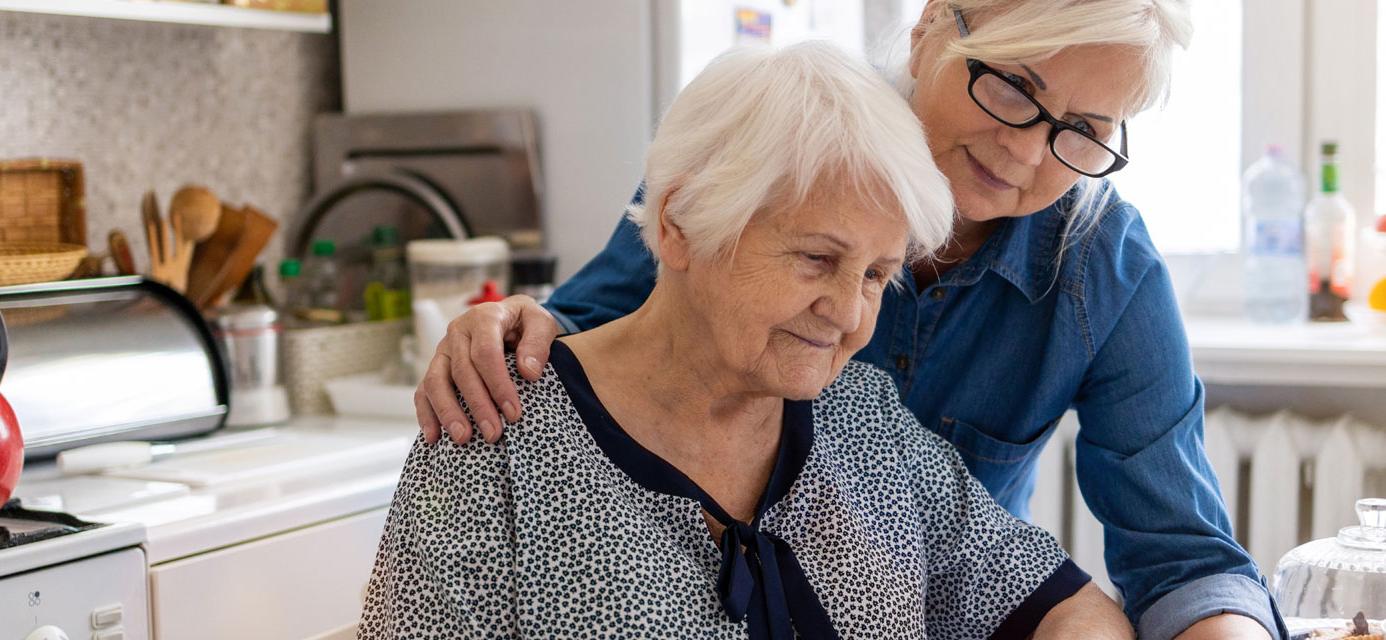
42 201
314 356
25 262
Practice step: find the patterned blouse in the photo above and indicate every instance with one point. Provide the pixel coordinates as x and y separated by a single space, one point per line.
870 527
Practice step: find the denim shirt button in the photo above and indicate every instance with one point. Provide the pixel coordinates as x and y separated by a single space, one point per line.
902 363
937 294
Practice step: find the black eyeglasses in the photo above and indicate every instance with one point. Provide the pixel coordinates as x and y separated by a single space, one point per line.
1002 97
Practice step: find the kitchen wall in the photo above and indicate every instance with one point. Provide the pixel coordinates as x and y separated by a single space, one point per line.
146 105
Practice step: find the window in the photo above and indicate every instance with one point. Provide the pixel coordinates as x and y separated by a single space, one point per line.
1185 169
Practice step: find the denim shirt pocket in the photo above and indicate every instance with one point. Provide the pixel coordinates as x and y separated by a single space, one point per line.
1003 467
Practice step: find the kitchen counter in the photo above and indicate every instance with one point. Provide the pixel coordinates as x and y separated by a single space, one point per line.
314 469
271 538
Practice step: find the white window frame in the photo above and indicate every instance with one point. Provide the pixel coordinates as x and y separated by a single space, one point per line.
1308 74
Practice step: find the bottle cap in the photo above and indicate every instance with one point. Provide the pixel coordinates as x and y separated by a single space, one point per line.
1329 148
290 268
385 235
324 248
490 292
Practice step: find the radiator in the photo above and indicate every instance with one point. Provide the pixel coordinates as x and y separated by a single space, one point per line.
1285 480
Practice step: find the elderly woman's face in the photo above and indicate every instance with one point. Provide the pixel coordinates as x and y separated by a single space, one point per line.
800 293
997 171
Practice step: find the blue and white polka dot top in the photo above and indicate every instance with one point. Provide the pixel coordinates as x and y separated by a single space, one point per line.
870 527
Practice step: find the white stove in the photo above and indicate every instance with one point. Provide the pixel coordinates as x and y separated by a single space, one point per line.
273 539
62 577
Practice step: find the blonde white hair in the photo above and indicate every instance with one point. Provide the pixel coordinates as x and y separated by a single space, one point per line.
761 128
1029 31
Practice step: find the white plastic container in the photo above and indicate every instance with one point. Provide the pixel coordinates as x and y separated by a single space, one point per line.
443 276
370 395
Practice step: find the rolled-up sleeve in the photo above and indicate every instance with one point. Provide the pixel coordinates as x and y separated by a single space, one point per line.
1145 476
1204 598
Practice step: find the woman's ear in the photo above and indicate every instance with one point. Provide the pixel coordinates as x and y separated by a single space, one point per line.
674 252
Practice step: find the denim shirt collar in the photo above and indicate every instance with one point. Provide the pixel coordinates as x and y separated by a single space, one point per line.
1021 250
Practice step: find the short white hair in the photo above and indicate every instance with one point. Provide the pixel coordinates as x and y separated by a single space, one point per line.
760 128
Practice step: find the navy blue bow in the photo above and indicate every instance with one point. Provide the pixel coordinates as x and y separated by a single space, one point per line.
761 579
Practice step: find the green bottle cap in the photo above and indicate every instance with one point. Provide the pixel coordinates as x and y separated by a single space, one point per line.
1329 175
290 268
324 248
385 236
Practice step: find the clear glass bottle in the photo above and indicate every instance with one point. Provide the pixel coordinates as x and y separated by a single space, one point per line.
1330 223
387 283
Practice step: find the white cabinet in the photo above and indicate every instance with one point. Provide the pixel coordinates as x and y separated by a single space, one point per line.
300 584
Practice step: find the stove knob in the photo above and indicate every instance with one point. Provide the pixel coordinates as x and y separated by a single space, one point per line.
46 632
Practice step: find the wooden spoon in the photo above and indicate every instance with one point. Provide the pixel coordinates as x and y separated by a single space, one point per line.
194 213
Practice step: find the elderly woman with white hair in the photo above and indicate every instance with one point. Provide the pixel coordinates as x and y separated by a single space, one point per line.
1049 296
713 464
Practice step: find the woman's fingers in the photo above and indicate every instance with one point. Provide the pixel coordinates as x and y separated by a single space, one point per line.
428 421
471 359
440 396
478 399
538 329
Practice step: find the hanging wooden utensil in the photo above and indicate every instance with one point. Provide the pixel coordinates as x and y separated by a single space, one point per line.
119 246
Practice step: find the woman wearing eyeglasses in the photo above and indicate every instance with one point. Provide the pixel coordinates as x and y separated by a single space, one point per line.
1050 296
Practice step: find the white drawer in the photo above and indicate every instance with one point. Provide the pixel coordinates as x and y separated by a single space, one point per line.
294 585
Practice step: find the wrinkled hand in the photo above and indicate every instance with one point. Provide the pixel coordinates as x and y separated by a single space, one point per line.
471 359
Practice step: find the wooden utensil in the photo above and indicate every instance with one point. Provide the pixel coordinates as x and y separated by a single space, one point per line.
210 256
193 214
161 266
256 232
120 253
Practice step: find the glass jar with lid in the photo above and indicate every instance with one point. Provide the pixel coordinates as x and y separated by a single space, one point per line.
1336 587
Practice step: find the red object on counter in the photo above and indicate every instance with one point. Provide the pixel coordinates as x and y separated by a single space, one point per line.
490 292
11 450
1381 223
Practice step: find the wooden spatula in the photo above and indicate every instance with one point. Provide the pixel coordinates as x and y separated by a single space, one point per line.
257 229
210 256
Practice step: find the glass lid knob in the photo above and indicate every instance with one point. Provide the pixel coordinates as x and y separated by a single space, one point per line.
1371 512
1371 534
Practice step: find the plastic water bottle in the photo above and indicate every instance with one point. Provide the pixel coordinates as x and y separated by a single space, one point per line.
1273 262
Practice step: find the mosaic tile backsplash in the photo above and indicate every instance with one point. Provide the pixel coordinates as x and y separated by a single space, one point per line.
146 105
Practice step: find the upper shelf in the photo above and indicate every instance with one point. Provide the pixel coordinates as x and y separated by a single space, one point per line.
1234 351
177 12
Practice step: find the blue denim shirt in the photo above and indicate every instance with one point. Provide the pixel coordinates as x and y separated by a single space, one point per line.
992 355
